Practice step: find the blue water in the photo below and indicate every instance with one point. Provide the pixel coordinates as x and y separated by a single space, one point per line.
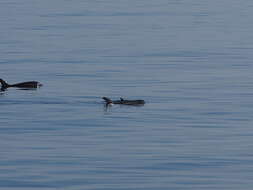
191 61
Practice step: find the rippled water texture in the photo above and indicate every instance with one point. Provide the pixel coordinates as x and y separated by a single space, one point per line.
191 61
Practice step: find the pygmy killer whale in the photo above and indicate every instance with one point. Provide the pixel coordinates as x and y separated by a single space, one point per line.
124 102
29 84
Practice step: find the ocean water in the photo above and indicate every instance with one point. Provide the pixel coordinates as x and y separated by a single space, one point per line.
190 60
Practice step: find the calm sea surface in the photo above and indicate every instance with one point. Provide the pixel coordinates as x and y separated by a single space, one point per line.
190 60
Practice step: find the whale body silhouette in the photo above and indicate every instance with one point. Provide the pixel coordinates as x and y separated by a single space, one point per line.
123 101
29 84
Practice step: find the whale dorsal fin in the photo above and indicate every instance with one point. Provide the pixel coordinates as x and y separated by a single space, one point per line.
108 100
4 84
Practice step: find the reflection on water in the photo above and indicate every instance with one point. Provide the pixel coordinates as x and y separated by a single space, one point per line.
191 63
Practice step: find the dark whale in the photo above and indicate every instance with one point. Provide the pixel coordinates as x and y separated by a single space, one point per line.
124 102
29 84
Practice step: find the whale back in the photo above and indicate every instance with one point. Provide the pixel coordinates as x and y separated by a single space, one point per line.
133 102
29 84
